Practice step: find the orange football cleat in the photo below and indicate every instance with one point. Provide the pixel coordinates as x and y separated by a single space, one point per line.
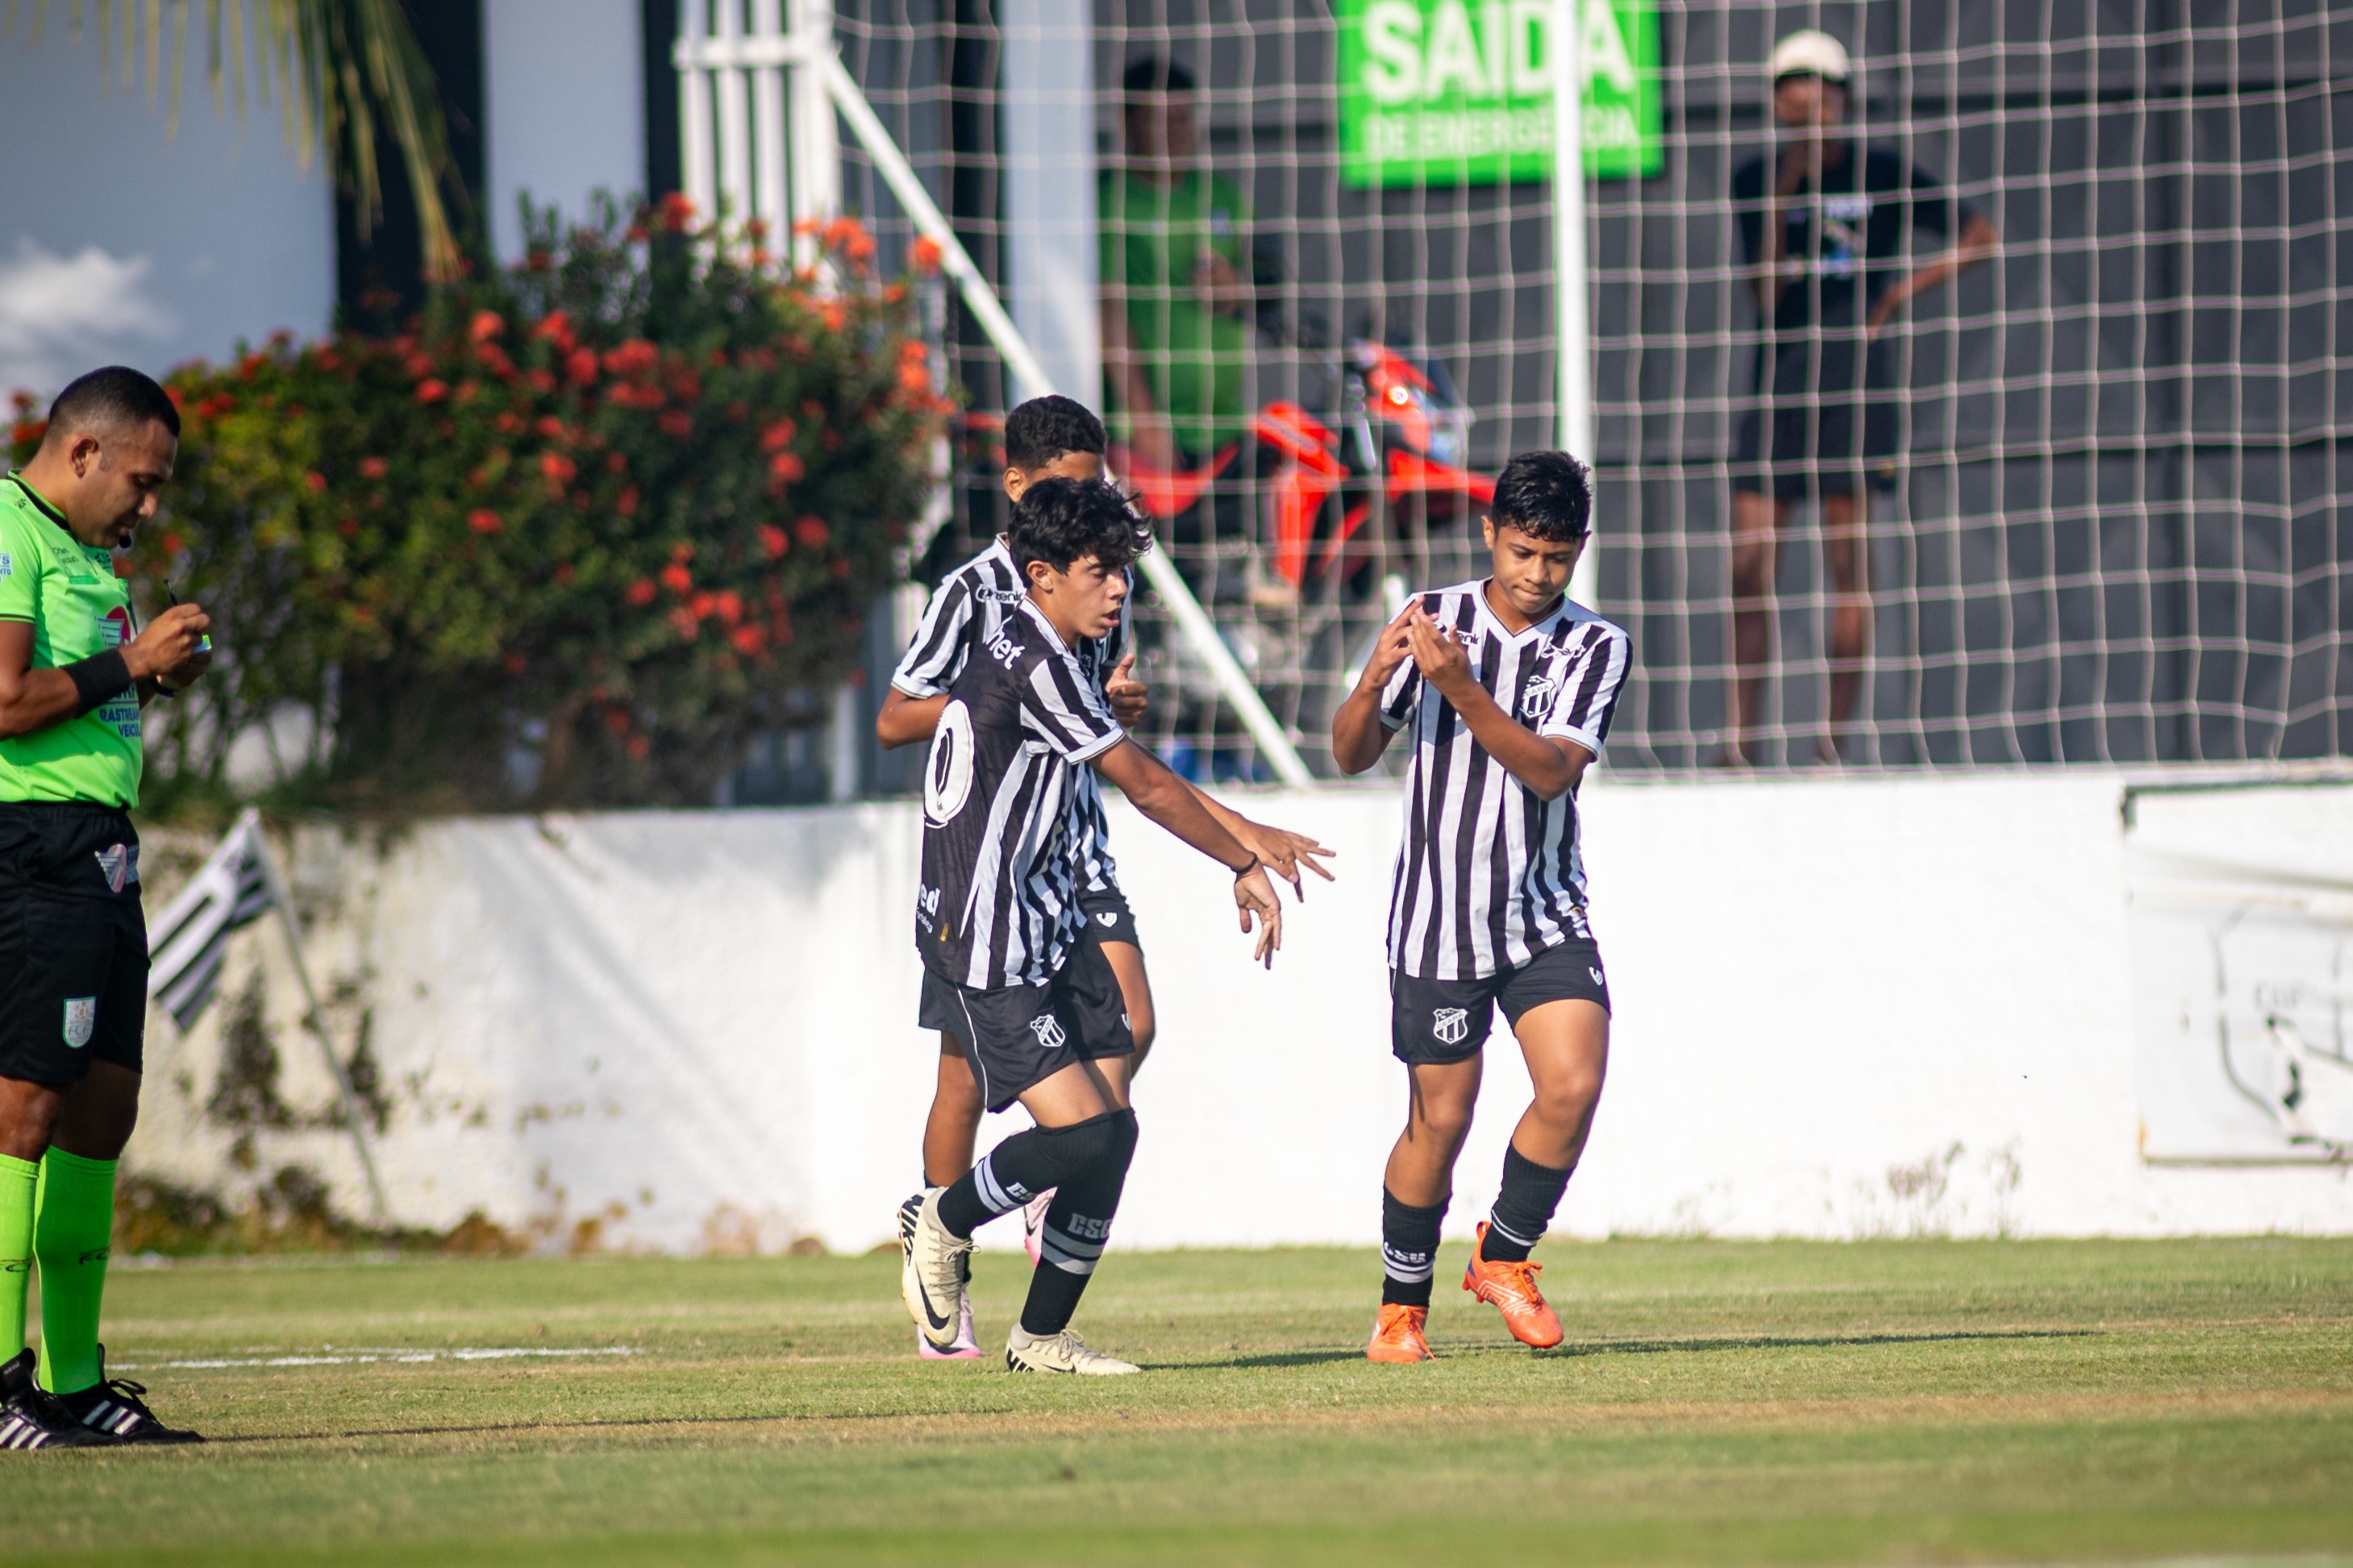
1511 1286
1396 1334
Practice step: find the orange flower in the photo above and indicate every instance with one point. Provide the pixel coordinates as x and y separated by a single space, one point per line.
678 422
812 532
432 389
580 364
638 745
641 592
785 468
316 480
486 325
482 519
677 212
924 254
676 578
750 641
730 605
778 435
774 540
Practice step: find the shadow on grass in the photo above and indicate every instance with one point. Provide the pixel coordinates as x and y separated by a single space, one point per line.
1810 1342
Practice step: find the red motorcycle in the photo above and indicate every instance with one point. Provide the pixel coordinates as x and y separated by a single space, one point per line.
1401 448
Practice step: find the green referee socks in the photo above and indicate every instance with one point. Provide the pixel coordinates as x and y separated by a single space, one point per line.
18 1180
75 1229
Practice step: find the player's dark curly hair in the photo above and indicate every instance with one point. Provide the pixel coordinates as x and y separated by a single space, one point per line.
1044 428
1061 521
1544 495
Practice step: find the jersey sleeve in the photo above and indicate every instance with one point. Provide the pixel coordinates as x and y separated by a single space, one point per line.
20 568
1588 699
1399 697
942 638
1063 708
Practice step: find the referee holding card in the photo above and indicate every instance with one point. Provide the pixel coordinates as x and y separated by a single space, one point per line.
74 674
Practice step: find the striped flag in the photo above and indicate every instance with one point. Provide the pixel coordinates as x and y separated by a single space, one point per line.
188 942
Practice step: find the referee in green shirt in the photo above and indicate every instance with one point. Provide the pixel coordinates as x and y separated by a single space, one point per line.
75 672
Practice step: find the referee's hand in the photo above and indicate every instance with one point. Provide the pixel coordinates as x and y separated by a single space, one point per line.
1254 896
172 649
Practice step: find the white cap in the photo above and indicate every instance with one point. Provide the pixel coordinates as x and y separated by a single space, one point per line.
1811 52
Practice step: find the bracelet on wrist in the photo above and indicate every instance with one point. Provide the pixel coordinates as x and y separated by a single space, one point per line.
1245 870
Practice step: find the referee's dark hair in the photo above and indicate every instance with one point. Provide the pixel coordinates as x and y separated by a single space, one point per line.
1061 521
111 399
1044 428
1544 495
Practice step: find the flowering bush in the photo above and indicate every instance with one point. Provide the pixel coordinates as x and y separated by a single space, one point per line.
568 541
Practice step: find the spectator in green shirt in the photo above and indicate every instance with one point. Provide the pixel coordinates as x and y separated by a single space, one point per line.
1176 280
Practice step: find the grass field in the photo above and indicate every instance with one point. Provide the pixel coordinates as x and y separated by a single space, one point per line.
1897 1402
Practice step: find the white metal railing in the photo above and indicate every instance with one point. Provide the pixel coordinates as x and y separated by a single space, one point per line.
738 64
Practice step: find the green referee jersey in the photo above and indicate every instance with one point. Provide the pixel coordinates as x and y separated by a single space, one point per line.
78 607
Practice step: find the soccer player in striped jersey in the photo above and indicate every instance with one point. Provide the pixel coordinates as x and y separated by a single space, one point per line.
1046 438
1039 1011
1508 689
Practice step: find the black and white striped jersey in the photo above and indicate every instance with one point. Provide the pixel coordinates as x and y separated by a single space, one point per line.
965 612
1488 874
998 904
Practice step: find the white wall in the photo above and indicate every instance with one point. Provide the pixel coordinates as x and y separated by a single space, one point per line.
1844 1008
563 110
119 245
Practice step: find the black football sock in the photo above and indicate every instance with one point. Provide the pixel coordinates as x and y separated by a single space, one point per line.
1408 1249
1023 1166
1522 1209
1078 1227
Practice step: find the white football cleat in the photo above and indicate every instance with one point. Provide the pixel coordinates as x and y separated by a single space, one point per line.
1064 1352
966 1347
933 1277
1033 1225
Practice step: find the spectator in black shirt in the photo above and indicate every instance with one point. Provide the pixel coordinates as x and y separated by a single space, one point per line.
1823 223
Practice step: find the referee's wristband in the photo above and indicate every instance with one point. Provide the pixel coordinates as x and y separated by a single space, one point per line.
98 680
1246 870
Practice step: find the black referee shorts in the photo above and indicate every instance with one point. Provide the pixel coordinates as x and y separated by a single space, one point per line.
1825 419
1017 1035
73 941
1438 1021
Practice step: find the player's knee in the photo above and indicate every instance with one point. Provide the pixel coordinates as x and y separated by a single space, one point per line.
1444 1120
1568 1097
1082 1144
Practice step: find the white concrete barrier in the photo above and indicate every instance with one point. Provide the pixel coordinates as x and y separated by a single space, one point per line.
1844 1008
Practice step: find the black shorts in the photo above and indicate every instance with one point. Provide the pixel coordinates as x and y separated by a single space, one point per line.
1433 1021
1108 918
73 941
1830 406
1021 1035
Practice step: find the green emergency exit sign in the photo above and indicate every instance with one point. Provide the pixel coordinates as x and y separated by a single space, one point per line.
1449 92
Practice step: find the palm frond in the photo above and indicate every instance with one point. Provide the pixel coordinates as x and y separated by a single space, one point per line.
345 74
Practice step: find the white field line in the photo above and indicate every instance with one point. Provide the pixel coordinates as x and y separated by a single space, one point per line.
368 1357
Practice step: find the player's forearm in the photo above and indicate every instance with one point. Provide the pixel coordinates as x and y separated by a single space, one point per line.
1178 808
1527 756
1358 736
906 720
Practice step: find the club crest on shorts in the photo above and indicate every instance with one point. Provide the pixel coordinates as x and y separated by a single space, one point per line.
1451 1026
81 1020
1049 1030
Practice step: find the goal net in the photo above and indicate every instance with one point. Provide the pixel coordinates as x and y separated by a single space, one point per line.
2091 487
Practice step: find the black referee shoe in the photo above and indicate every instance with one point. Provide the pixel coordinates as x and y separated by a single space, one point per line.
115 1406
31 1418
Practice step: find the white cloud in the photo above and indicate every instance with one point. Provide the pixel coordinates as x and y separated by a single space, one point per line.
62 315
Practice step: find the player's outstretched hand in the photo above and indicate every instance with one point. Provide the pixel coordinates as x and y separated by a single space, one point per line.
1283 852
1129 697
1254 896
